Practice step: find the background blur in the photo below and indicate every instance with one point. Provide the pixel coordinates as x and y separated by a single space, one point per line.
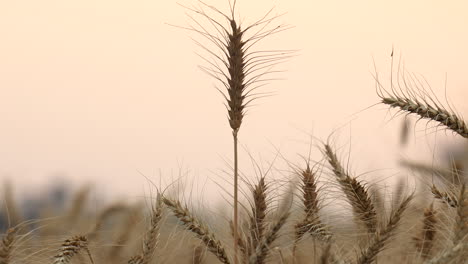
107 92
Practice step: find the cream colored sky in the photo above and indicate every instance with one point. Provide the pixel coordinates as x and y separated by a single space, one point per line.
102 89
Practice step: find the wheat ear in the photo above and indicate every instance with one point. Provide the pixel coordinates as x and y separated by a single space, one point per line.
412 99
259 208
6 246
151 237
425 241
311 222
263 248
198 228
355 192
70 248
378 241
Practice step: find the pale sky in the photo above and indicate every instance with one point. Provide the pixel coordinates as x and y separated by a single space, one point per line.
102 90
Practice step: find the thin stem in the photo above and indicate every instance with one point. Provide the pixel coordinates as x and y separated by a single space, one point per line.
234 136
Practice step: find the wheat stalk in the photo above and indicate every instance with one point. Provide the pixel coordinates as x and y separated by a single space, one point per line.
241 73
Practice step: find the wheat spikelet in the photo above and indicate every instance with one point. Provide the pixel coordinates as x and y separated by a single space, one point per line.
70 248
262 249
6 246
355 192
425 241
198 228
445 197
377 243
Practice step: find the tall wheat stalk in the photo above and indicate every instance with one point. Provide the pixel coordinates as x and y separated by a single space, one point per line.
241 72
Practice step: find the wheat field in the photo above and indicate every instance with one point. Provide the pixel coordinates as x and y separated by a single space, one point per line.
323 213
